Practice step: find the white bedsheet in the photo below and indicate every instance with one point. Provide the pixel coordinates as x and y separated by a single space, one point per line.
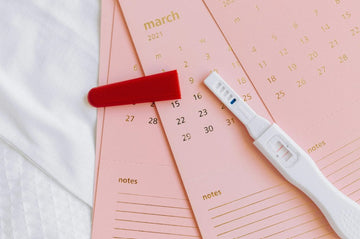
48 62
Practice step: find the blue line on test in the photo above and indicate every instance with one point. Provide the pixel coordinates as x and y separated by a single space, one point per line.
233 101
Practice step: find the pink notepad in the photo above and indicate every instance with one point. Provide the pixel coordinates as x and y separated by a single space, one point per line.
138 191
294 63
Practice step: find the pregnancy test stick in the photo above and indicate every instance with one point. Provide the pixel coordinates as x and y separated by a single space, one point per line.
342 213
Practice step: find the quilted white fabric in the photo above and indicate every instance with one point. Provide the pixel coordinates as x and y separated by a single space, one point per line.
33 206
48 62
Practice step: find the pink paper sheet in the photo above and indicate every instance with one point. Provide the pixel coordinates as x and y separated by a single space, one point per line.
138 191
305 78
311 54
233 191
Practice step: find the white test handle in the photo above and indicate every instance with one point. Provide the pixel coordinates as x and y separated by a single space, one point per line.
342 213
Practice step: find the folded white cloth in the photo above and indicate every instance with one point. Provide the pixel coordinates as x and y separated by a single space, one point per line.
48 62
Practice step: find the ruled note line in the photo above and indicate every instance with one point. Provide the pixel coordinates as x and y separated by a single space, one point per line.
266 226
323 235
155 232
311 230
341 168
124 237
262 219
248 205
152 196
153 214
261 210
287 229
346 175
152 205
347 185
338 149
154 223
339 158
252 194
357 190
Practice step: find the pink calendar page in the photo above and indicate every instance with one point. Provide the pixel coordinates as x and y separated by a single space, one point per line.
303 59
233 190
138 191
